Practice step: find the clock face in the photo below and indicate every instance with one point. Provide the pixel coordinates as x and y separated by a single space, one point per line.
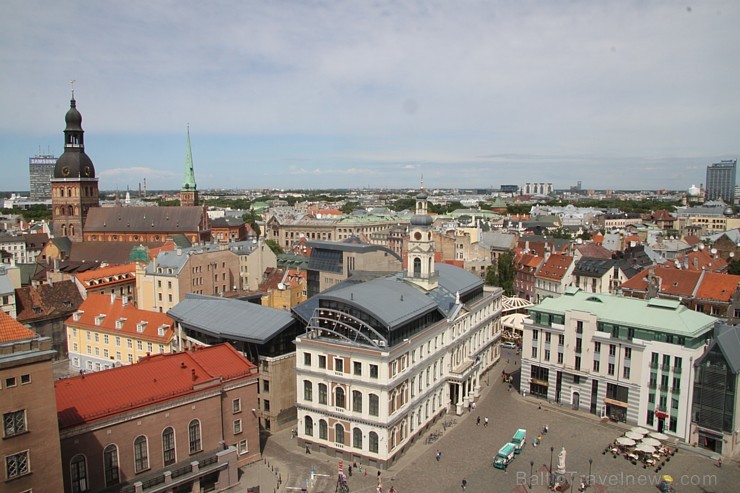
87 170
65 171
417 236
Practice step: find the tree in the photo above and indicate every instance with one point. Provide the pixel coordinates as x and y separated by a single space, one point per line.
251 218
276 249
734 267
492 275
348 207
506 271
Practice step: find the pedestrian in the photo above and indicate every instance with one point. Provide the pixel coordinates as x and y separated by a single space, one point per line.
349 470
464 484
509 388
485 422
719 462
539 407
308 450
378 475
392 490
477 421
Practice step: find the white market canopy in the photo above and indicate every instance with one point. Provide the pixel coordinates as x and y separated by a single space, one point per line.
627 442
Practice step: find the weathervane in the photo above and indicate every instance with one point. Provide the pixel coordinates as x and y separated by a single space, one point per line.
72 83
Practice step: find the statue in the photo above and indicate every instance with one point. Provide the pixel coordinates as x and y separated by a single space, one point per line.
561 461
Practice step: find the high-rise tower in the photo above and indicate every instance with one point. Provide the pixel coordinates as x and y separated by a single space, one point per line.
420 268
74 187
721 181
189 191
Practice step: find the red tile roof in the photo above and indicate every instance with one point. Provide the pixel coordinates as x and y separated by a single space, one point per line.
110 275
101 304
555 267
594 250
47 301
11 330
715 286
90 397
673 282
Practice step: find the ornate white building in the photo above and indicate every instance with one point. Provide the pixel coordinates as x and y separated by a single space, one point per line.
381 360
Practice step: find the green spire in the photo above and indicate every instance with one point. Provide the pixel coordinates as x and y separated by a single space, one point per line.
188 182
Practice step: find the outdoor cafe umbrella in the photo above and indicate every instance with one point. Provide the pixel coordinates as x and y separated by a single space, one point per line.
640 430
648 449
658 435
633 435
627 442
651 441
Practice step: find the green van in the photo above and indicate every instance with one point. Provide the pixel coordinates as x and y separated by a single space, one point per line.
519 439
505 455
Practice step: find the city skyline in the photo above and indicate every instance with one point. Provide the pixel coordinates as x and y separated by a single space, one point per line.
329 95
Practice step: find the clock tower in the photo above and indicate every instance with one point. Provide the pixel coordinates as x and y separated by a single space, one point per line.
74 187
420 269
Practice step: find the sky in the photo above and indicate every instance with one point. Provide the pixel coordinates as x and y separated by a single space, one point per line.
313 94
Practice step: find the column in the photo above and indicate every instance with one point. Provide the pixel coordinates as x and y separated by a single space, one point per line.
460 404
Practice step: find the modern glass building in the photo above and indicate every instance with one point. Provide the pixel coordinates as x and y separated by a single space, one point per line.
721 181
40 170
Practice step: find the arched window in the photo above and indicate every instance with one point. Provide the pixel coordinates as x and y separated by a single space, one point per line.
141 454
373 442
374 404
194 436
417 267
323 430
357 438
392 445
322 393
168 445
308 429
339 397
357 401
393 402
77 210
78 473
110 465
71 230
64 230
339 433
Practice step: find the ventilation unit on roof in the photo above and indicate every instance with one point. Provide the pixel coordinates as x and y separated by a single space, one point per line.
381 343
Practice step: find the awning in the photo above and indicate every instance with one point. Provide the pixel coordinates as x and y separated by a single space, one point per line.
615 403
540 382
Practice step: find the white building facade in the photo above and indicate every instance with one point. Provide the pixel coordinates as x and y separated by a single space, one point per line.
627 359
383 359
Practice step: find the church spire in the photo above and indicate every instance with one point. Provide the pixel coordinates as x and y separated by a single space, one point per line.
189 191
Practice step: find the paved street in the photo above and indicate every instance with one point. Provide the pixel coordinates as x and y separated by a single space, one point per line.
467 450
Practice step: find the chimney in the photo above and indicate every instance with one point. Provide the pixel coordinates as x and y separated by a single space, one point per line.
192 373
179 252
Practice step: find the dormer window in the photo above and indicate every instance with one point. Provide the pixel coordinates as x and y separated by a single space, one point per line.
77 315
120 322
141 326
161 330
99 319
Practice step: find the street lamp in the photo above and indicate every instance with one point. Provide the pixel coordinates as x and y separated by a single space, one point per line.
590 461
531 465
550 477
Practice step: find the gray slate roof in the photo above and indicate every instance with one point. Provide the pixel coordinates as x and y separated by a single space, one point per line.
6 287
144 219
727 337
593 267
227 318
498 240
226 222
350 247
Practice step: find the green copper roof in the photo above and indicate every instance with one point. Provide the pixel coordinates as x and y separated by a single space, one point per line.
657 315
188 182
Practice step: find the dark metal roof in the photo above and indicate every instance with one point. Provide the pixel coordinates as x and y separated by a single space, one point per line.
593 267
350 247
231 318
144 219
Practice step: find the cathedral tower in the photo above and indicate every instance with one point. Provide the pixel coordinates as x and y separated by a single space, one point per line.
74 187
189 191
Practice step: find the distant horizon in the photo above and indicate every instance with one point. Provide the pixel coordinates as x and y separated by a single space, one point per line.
302 94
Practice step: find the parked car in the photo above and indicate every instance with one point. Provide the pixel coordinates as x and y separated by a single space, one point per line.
509 345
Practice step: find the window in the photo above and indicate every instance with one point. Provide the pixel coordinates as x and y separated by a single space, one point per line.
243 447
560 358
322 362
265 385
373 371
308 428
339 397
168 445
547 355
339 365
78 473
118 341
612 350
307 390
14 423
578 363
610 369
627 353
357 438
194 436
596 365
597 347
139 345
129 343
110 465
357 401
105 338
237 426
306 359
534 351
579 327
339 433
561 339
357 368
97 337
626 372
535 335
266 405
576 379
10 382
17 465
548 335
374 404
677 362
236 406
322 393
141 454
323 430
373 441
